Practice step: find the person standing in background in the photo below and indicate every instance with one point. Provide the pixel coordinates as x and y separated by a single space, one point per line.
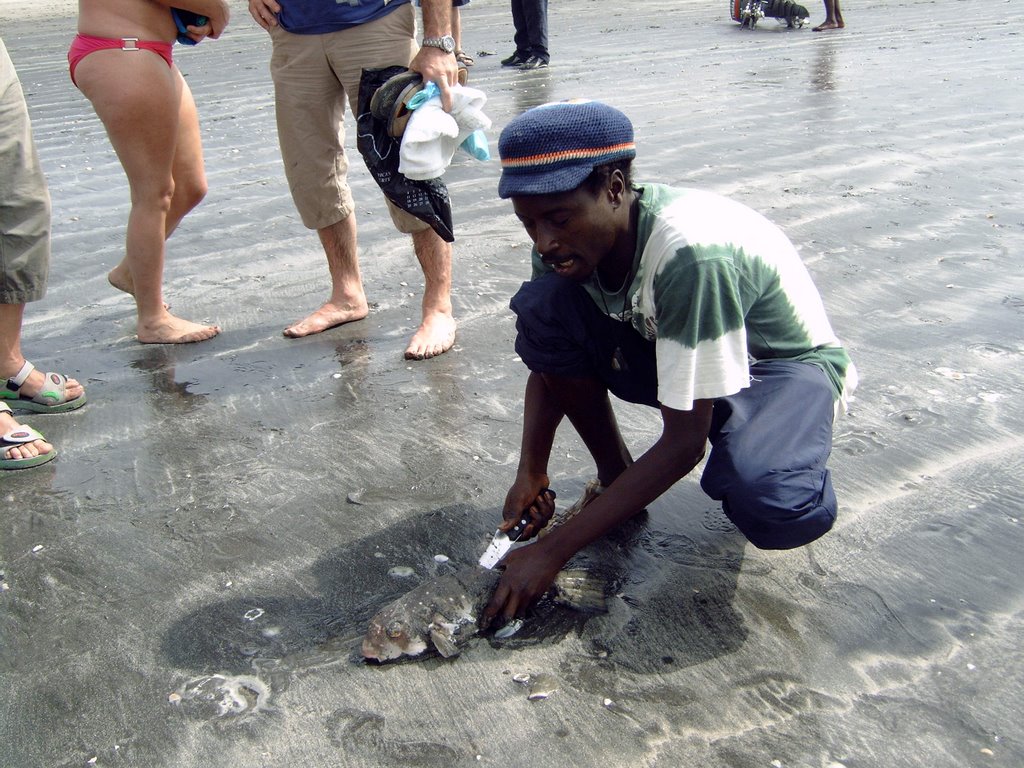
530 18
833 17
320 49
24 268
460 55
121 61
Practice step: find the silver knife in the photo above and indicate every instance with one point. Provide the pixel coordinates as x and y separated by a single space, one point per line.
502 541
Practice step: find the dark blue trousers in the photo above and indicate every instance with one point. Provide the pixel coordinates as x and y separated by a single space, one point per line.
530 18
769 442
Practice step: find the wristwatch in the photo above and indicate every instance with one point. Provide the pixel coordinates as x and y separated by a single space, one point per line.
445 43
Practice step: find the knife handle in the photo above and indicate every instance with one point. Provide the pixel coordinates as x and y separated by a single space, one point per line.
517 530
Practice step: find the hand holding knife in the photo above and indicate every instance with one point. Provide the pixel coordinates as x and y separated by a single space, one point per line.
502 541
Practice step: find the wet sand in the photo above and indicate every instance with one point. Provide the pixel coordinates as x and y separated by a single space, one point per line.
187 584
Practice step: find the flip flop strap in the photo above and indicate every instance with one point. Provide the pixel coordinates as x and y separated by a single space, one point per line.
20 436
5 408
14 383
53 392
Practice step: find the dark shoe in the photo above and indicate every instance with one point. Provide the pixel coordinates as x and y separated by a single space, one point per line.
389 103
514 60
534 62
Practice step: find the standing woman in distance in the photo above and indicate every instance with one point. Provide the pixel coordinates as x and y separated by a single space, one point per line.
121 61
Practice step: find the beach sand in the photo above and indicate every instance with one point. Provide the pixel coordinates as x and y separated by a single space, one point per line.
187 584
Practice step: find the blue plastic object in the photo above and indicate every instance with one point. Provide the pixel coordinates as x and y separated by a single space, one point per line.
182 20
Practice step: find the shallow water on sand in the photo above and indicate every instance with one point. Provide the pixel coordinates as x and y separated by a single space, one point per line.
188 583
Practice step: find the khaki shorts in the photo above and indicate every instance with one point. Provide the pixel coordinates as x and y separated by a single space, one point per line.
314 76
24 199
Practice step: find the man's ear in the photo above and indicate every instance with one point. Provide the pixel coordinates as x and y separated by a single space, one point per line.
616 188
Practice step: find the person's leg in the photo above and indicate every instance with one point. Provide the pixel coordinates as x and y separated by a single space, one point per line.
833 17
189 175
22 450
188 170
770 443
436 333
391 41
24 232
460 55
10 350
310 101
586 403
535 17
564 338
347 302
140 102
457 27
521 37
12 359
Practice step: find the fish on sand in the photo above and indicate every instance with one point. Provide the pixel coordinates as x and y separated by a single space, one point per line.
442 614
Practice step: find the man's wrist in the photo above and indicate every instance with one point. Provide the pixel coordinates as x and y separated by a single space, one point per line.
526 473
444 43
556 546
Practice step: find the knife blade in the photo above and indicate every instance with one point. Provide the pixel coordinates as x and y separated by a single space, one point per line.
502 541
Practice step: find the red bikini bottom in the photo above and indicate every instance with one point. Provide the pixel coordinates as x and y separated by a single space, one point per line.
83 45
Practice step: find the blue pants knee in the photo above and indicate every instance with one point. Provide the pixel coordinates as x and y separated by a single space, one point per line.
769 444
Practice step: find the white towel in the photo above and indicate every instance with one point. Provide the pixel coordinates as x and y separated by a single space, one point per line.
432 135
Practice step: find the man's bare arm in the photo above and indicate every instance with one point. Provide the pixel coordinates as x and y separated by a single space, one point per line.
433 63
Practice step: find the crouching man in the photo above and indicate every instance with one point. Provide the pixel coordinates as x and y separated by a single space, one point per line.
674 298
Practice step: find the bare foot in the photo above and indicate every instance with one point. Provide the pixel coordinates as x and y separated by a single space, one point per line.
828 25
121 278
435 336
328 316
25 450
174 330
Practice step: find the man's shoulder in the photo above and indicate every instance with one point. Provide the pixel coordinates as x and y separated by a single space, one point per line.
689 203
674 218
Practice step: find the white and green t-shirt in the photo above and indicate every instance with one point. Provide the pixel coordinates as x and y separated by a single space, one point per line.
717 285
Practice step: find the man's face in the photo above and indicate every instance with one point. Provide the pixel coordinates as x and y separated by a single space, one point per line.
573 231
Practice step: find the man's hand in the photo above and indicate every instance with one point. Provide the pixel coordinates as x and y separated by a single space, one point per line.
264 12
529 573
529 497
435 65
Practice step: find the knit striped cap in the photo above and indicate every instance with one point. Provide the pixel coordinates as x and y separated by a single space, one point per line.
554 147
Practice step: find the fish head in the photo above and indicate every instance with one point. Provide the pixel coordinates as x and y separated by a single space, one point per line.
438 615
391 637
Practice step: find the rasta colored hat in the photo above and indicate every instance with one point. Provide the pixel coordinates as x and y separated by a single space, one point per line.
554 147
